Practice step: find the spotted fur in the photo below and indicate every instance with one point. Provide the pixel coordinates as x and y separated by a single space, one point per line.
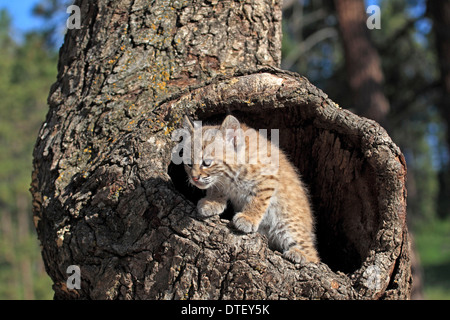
268 197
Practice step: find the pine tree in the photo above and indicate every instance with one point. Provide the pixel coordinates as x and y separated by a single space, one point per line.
26 73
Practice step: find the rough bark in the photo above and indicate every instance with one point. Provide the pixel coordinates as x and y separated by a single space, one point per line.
108 199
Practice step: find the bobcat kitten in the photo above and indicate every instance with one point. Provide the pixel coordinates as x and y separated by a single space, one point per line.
230 162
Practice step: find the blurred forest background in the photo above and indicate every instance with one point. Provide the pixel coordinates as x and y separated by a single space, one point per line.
398 74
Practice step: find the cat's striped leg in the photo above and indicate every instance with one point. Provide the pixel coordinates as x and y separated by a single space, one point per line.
249 219
303 249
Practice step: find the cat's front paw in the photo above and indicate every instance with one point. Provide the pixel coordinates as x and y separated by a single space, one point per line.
295 255
206 208
243 223
301 255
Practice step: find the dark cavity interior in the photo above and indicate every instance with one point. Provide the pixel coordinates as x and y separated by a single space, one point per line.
339 182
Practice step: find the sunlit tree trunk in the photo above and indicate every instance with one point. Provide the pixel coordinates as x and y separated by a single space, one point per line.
108 199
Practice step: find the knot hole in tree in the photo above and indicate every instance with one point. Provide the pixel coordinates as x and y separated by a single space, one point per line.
329 156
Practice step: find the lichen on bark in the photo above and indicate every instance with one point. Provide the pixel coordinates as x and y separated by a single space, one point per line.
107 198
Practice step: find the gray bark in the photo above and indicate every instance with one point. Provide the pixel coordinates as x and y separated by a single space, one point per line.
107 198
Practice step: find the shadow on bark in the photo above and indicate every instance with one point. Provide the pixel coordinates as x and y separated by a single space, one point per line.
107 198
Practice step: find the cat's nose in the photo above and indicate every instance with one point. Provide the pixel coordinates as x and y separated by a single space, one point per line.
195 179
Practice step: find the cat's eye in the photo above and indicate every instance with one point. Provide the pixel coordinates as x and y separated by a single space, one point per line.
207 163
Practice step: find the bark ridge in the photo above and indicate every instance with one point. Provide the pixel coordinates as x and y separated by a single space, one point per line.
107 198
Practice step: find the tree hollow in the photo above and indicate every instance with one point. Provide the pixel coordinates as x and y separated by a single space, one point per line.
354 172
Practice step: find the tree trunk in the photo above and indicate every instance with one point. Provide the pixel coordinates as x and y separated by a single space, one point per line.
362 61
439 10
108 199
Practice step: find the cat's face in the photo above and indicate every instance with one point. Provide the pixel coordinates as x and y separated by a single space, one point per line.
204 169
208 151
202 175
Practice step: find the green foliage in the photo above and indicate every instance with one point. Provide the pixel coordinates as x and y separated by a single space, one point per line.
312 43
26 73
433 244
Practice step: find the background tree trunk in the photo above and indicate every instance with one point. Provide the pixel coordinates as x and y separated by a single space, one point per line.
108 199
439 10
363 63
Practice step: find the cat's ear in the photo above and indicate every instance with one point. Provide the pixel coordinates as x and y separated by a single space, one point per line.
231 130
187 124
